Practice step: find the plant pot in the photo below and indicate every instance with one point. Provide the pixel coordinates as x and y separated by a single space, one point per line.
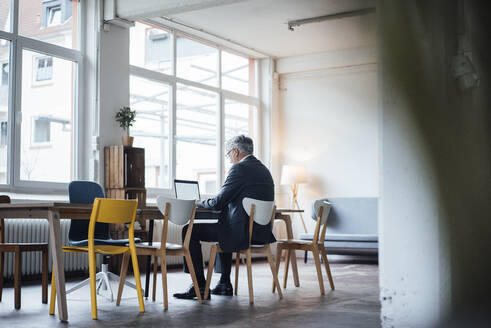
127 141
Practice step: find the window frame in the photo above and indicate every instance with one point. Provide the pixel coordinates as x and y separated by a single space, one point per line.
173 80
18 43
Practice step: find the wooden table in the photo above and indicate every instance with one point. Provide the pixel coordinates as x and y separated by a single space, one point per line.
284 214
53 212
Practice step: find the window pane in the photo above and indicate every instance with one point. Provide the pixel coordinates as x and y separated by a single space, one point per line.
4 107
5 13
151 48
196 133
52 21
239 119
151 129
236 74
47 116
196 62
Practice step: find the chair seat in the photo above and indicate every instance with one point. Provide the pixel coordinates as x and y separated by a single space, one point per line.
295 241
112 242
342 237
156 245
101 249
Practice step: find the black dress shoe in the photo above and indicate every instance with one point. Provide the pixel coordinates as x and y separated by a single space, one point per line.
223 288
191 294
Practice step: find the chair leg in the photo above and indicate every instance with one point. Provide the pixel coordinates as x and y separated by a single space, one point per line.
193 275
315 252
52 300
45 277
17 278
136 272
274 271
1 275
249 276
211 264
155 263
93 291
237 264
279 250
122 276
164 280
287 264
305 257
328 269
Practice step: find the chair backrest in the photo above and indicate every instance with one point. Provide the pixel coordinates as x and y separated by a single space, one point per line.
326 209
259 211
117 211
322 209
178 211
3 199
263 210
85 192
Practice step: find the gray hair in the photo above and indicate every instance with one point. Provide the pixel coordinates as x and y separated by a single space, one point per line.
242 143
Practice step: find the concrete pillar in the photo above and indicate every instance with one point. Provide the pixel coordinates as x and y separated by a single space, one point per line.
435 223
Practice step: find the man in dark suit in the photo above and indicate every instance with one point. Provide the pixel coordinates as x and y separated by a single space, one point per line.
248 177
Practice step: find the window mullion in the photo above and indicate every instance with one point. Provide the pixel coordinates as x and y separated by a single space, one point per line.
16 81
14 19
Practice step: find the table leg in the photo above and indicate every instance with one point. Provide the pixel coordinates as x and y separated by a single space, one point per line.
58 267
149 259
293 255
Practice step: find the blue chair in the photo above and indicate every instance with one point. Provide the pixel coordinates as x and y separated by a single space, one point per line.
84 192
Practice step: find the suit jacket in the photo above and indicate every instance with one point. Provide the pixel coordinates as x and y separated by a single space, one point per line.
248 178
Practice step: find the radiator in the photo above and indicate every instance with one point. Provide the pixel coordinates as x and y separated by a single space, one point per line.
37 231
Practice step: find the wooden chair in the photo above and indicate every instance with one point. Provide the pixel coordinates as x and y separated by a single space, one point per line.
116 211
18 249
179 212
316 246
261 212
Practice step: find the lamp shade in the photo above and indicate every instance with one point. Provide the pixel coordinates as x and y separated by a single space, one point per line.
293 174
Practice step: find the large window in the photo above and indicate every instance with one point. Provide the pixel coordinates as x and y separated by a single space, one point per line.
39 93
196 134
188 104
150 99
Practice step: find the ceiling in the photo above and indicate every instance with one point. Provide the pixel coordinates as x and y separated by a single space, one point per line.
261 24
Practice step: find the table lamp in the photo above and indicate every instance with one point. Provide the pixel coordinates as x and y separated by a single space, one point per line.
293 175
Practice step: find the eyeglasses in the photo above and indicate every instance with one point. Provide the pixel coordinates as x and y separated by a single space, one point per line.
228 153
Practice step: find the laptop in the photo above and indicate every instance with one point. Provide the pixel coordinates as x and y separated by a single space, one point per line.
186 189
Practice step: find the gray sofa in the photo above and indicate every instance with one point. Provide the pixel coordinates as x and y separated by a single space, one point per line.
351 227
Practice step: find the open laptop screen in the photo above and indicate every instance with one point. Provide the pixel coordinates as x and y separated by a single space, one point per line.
186 189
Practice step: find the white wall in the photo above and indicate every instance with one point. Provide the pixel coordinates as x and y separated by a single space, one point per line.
328 122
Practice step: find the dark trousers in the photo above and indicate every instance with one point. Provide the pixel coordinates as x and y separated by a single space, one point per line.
205 232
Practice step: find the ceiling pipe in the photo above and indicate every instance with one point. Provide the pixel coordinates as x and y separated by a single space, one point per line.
344 14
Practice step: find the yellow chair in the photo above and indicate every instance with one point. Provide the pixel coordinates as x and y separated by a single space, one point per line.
108 211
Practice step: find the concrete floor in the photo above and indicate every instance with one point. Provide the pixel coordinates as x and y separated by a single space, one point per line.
354 303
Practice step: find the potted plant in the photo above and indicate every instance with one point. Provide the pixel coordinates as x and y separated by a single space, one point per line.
126 117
